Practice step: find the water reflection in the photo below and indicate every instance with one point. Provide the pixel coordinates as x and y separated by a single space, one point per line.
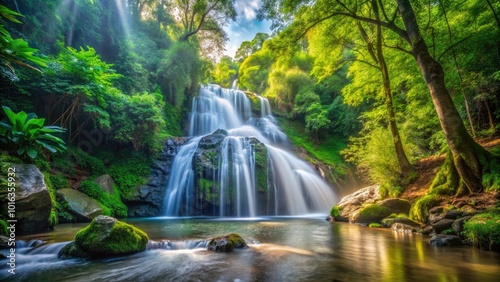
280 249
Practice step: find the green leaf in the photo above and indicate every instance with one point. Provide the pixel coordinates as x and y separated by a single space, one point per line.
31 152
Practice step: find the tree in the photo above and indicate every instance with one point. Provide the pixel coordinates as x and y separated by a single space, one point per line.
225 72
468 156
204 15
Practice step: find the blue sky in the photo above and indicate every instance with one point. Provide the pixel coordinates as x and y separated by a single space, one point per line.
245 27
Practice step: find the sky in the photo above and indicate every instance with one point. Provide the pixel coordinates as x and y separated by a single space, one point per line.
245 27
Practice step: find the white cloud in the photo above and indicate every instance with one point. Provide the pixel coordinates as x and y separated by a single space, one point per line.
246 26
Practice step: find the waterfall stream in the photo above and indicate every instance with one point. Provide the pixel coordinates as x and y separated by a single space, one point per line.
235 184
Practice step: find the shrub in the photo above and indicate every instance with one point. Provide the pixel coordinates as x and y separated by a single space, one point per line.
129 173
59 181
93 164
112 205
483 230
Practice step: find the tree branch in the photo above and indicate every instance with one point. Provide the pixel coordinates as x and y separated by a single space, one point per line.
452 46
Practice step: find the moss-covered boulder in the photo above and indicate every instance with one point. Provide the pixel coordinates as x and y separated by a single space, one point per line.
352 203
226 243
370 213
106 237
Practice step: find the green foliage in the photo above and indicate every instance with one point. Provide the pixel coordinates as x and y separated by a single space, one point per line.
112 202
376 159
27 135
3 228
491 173
15 50
94 165
254 71
225 72
483 230
122 239
59 181
141 120
449 231
129 173
375 225
420 209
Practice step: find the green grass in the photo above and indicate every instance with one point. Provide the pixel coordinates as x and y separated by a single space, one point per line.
483 230
326 151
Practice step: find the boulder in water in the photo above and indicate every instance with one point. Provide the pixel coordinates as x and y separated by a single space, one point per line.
227 243
106 237
445 240
353 202
80 205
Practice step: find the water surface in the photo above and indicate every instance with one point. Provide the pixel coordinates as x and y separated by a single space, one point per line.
280 249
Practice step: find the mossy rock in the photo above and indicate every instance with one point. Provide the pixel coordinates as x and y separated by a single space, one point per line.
371 213
227 243
106 237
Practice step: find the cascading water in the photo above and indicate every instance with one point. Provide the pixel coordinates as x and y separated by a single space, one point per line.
245 169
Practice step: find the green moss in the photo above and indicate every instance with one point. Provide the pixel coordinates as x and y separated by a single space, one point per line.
447 180
420 209
3 228
335 211
111 204
63 210
129 173
122 239
374 211
227 243
94 165
483 230
53 197
491 175
59 181
375 225
399 215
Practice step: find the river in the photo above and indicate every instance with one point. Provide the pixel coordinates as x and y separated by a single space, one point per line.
280 249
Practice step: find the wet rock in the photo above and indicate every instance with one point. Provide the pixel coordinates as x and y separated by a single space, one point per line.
4 242
396 205
330 218
442 225
147 200
106 237
458 225
427 230
106 183
33 202
388 222
80 205
445 240
213 140
405 228
226 243
353 202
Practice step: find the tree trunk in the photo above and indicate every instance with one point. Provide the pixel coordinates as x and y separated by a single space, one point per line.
490 116
404 164
466 152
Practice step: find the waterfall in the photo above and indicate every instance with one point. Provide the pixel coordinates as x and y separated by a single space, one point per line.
247 170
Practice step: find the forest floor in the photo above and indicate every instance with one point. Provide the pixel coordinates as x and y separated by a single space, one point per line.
427 169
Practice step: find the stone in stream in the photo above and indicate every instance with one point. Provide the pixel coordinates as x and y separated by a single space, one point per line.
33 202
106 237
226 243
350 204
445 240
81 206
442 225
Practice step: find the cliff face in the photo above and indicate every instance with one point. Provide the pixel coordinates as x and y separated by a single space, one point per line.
147 200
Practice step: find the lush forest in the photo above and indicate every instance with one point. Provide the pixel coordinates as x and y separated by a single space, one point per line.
366 86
